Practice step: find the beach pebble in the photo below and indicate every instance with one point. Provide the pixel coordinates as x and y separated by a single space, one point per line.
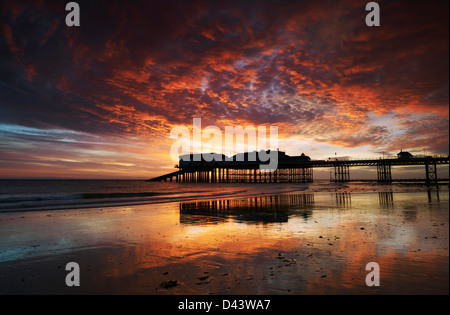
168 284
202 278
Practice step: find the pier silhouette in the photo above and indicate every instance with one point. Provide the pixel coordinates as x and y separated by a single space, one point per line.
295 169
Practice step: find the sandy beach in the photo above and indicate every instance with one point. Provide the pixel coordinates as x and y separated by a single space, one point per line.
309 242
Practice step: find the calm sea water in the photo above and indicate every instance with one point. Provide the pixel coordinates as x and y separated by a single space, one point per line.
31 195
28 195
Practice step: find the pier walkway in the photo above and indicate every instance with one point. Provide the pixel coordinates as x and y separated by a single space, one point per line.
295 170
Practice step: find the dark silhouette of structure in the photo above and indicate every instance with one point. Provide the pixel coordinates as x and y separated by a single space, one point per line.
245 168
404 155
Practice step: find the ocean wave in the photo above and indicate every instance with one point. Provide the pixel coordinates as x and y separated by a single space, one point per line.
38 198
26 203
17 199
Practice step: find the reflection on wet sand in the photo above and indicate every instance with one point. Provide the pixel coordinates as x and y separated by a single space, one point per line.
299 243
433 195
344 199
386 199
261 209
316 250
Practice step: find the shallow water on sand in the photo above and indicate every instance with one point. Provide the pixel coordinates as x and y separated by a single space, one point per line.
317 241
18 195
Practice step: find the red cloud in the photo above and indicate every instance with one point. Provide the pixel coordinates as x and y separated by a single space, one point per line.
312 68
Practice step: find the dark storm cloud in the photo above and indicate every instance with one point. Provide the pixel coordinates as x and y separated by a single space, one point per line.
140 67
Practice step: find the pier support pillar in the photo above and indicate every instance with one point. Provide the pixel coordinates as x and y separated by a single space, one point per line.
384 173
341 173
431 173
307 175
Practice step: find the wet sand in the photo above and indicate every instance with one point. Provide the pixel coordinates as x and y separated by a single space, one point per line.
311 242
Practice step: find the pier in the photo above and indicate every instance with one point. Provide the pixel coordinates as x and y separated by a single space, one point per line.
297 169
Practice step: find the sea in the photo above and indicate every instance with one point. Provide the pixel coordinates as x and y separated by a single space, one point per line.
58 194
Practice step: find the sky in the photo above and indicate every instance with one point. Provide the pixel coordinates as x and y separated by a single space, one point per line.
100 100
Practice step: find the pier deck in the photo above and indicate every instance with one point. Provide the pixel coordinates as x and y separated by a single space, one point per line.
294 170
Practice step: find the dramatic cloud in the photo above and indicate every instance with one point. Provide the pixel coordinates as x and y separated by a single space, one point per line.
135 69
